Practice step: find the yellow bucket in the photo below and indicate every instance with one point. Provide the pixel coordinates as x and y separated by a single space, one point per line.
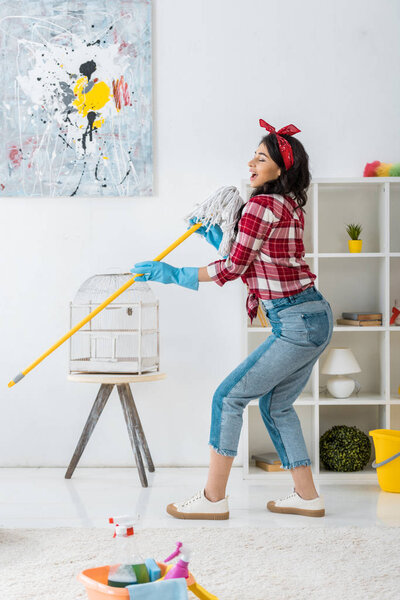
387 463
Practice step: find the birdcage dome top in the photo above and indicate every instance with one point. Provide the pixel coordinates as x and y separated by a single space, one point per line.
98 288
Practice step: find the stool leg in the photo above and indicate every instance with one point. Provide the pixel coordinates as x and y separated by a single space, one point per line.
132 433
136 419
97 408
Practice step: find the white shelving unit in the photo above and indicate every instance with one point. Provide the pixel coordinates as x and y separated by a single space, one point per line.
368 281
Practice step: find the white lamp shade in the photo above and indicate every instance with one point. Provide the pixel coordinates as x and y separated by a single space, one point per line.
340 361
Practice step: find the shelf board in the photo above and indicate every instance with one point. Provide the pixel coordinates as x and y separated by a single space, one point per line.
257 473
358 328
351 254
366 180
362 399
394 400
366 476
302 400
391 328
362 180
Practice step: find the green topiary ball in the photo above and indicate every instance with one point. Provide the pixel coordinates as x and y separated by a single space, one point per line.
344 448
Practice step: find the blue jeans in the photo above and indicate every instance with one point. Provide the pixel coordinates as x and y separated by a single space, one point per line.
276 372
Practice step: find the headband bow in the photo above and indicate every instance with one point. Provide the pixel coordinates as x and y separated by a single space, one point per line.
284 147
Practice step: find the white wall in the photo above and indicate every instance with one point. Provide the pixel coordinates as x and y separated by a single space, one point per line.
331 68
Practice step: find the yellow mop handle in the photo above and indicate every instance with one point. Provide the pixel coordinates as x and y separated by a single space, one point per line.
106 302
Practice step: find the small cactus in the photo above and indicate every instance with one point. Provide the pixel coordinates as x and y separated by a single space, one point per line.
353 230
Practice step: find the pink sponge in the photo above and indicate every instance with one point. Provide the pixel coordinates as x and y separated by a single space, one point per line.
370 168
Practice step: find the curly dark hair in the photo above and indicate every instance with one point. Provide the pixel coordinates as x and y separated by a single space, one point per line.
294 181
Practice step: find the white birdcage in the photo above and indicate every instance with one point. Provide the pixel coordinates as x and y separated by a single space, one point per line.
124 336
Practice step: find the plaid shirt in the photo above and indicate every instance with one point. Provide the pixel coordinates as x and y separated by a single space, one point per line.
268 252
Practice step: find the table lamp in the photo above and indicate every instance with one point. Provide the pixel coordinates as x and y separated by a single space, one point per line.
340 362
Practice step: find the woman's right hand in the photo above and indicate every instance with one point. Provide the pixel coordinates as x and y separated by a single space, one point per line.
213 235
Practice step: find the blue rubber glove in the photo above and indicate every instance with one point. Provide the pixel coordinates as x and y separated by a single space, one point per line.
213 235
164 273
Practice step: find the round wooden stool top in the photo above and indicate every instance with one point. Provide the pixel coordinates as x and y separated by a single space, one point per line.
115 378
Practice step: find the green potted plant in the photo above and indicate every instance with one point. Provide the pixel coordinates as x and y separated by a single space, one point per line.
354 230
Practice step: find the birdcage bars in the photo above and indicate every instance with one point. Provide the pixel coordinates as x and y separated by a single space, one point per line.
123 338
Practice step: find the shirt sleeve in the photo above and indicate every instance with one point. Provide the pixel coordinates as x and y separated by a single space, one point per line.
254 226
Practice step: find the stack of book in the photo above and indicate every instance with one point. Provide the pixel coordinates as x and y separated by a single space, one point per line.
361 319
269 461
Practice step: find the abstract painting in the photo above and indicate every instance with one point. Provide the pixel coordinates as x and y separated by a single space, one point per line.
76 98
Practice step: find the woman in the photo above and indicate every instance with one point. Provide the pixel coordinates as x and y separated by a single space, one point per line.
268 254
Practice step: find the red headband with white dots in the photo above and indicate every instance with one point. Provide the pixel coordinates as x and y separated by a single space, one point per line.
284 146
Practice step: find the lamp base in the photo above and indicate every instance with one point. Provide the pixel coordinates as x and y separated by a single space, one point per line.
340 386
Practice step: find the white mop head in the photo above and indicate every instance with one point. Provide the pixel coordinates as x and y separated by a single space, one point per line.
220 208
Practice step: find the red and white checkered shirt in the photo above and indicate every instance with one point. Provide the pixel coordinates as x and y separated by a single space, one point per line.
268 252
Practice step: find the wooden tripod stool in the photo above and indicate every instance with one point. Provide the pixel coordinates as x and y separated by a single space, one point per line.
132 420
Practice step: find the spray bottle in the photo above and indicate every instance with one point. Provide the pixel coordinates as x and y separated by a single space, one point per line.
181 568
130 567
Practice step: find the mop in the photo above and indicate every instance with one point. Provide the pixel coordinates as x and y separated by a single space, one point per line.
220 208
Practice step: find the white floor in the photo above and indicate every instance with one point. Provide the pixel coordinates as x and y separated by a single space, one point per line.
43 498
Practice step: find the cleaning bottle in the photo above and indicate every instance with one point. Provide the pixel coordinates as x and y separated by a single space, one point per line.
181 568
131 567
122 573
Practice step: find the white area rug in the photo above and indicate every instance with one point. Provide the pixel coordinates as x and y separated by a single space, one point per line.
232 563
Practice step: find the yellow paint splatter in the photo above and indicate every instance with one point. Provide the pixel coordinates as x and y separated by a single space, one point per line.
93 100
98 122
105 157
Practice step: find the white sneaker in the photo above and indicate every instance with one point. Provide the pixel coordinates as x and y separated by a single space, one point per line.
199 507
296 505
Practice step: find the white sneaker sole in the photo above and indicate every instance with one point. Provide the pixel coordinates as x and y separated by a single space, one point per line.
174 512
295 511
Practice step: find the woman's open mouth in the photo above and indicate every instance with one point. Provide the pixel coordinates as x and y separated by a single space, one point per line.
253 176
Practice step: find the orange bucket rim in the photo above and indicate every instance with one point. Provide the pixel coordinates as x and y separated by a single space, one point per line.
122 593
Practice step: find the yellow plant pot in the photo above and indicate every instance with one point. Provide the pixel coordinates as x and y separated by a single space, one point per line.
355 245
